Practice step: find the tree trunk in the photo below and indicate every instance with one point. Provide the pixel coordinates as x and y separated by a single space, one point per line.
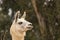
40 21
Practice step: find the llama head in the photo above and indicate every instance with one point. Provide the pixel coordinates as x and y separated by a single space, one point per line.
22 24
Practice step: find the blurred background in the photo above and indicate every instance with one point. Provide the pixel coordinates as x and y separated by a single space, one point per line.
44 15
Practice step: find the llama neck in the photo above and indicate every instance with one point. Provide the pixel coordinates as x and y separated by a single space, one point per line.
18 37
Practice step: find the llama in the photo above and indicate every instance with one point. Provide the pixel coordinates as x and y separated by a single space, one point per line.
19 27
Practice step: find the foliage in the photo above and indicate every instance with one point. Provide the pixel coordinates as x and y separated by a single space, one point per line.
50 12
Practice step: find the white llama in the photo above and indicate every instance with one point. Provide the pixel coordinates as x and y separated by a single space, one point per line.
19 27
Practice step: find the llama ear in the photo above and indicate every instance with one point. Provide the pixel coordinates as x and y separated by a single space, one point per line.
17 15
24 15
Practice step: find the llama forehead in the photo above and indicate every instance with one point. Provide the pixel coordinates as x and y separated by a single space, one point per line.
23 20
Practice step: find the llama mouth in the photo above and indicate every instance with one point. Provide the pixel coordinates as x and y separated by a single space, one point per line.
29 28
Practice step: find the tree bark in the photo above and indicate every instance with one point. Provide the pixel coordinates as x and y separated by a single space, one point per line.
40 21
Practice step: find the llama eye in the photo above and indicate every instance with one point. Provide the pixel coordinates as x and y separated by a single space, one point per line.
20 22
